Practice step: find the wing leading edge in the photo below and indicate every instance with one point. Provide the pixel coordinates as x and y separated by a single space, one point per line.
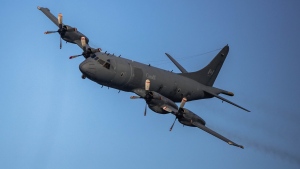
47 12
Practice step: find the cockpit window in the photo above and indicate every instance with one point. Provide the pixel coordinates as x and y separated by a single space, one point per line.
101 61
107 65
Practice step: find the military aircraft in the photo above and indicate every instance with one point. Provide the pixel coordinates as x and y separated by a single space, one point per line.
166 87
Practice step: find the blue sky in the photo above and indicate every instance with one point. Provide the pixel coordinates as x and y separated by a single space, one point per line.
51 118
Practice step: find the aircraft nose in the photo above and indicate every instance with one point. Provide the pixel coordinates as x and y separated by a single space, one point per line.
87 68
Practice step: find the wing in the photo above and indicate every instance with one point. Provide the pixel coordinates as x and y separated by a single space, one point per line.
47 12
78 42
215 95
216 134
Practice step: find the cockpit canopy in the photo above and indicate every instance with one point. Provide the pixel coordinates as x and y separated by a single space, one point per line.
105 64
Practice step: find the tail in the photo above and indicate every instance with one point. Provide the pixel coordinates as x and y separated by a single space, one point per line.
209 73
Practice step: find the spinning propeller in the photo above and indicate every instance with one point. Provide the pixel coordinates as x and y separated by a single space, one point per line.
62 29
188 118
183 101
87 50
148 96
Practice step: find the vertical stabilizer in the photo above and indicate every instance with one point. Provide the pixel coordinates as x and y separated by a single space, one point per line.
209 73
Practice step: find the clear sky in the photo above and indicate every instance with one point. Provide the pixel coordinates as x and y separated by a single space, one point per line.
51 118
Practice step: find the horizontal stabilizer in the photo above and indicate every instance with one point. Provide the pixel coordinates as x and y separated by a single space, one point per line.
215 95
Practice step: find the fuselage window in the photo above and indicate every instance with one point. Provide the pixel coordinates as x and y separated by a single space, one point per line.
93 56
103 63
107 64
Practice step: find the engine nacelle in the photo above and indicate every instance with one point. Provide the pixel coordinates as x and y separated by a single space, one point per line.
162 99
188 116
69 28
158 101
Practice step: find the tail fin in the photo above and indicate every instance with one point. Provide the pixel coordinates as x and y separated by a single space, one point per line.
209 73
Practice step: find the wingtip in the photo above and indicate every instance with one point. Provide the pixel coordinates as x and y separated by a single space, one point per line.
233 144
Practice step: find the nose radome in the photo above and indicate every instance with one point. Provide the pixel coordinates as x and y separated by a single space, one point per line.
83 67
87 68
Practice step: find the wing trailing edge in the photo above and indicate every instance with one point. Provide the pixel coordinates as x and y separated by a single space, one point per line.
219 97
210 131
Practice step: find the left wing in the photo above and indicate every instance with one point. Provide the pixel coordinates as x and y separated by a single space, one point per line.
208 130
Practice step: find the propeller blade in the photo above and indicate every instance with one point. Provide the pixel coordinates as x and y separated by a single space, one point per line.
183 102
83 42
60 20
145 112
147 85
75 56
60 44
135 97
173 124
48 32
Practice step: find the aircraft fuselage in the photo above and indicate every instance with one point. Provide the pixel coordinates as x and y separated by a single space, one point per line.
127 75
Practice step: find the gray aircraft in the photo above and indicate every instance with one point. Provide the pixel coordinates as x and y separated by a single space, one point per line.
166 87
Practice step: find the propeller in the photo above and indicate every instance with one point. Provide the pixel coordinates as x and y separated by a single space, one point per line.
183 101
147 96
173 124
61 29
87 50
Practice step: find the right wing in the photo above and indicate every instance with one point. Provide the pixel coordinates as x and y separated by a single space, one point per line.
78 42
217 96
208 130
72 36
